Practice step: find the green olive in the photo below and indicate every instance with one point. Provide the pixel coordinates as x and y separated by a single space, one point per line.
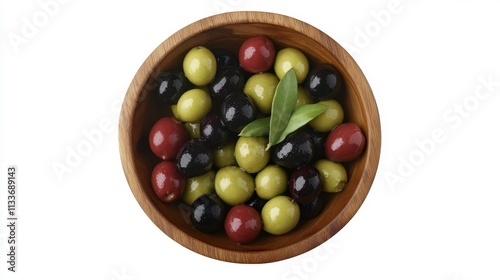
333 116
332 174
270 182
251 154
173 108
224 156
198 186
233 185
291 58
193 129
280 215
193 105
261 87
199 66
302 96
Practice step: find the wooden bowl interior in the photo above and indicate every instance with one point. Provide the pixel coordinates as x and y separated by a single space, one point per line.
171 218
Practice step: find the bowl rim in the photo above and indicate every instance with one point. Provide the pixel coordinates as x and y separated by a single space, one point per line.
135 94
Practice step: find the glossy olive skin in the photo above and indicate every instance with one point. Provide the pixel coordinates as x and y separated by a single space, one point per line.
209 213
169 86
270 182
323 82
345 143
261 88
213 130
225 59
233 185
280 215
224 156
256 202
168 184
198 186
194 158
237 110
166 137
318 139
305 184
287 58
242 224
311 209
251 154
193 105
332 174
296 150
199 66
226 81
257 54
333 116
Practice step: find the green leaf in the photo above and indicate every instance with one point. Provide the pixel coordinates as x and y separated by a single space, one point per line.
258 127
282 107
302 115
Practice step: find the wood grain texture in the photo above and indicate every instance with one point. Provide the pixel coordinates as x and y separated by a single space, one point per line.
228 31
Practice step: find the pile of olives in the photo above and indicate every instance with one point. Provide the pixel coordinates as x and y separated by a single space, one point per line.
234 183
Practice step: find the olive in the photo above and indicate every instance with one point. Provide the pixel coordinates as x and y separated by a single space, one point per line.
345 142
270 182
257 54
199 65
288 58
305 184
169 86
297 149
242 224
193 105
193 129
194 158
226 81
323 82
224 156
233 185
256 202
261 88
302 96
333 116
319 139
251 154
168 184
198 186
213 130
225 59
209 213
280 215
166 137
237 110
311 209
332 174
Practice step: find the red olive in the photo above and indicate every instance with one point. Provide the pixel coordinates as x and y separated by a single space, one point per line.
257 54
345 143
166 137
243 223
168 183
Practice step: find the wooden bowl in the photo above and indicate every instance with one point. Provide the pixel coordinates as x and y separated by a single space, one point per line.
228 31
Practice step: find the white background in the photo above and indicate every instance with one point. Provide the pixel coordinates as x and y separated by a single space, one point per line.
432 212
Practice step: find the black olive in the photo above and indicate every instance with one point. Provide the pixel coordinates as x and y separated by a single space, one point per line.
237 110
226 81
209 213
296 150
195 158
323 82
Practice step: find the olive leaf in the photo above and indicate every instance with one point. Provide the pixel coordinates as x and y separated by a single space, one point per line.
258 127
283 104
302 115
